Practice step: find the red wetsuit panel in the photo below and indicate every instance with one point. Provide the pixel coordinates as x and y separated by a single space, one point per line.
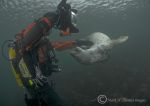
33 33
29 28
46 20
63 45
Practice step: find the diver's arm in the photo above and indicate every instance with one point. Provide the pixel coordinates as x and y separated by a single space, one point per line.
64 45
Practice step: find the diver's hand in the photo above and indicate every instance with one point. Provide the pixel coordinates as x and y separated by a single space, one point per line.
83 42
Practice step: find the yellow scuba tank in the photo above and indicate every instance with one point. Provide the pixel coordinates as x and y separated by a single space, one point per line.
12 56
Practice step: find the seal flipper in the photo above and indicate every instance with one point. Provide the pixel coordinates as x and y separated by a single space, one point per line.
119 40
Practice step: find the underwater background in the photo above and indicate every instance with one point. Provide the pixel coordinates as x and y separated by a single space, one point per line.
125 74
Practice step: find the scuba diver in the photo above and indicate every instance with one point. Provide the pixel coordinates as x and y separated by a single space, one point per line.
32 55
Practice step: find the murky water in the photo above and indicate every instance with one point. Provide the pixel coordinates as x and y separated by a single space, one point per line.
125 74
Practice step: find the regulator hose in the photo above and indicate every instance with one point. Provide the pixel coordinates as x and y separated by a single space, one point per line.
7 43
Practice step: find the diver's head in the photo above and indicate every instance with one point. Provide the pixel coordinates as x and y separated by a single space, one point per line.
66 19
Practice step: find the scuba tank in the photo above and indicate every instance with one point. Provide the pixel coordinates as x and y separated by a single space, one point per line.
19 67
12 58
27 67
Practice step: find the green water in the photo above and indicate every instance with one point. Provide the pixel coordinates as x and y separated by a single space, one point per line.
125 74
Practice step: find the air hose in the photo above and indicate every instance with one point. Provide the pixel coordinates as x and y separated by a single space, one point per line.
7 43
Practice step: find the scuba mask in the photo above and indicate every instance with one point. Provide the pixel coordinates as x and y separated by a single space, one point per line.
66 19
